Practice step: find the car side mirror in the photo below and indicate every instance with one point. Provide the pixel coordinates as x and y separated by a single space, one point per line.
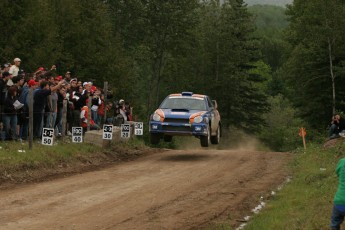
215 104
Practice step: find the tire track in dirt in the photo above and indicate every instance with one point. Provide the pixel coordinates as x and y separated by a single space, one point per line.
171 190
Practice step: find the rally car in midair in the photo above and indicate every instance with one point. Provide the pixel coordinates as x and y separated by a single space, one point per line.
186 114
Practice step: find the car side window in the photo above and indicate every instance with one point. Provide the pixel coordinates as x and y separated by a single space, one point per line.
209 102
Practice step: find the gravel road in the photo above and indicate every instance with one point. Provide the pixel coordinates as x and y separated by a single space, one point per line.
180 189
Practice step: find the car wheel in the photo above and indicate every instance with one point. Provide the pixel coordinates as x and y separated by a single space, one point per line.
154 138
215 139
205 140
167 138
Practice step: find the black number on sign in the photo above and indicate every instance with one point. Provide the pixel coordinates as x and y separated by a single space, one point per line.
125 135
77 139
107 136
47 141
107 128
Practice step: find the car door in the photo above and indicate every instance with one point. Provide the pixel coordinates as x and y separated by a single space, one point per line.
214 116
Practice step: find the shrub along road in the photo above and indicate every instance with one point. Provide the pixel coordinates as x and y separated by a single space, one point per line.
182 189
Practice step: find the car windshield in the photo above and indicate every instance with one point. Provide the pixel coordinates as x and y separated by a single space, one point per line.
183 103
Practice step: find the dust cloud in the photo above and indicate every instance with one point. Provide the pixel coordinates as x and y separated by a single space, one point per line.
232 139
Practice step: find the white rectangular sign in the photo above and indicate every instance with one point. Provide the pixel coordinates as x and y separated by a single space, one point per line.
107 132
77 134
47 136
138 128
125 128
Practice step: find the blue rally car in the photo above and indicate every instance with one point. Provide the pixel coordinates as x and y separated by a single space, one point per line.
186 114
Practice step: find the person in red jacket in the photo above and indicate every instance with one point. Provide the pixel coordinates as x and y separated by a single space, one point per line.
83 119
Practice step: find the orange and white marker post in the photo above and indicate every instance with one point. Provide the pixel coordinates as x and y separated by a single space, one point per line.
302 133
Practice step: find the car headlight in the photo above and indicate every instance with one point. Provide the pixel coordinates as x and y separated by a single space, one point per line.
156 117
198 119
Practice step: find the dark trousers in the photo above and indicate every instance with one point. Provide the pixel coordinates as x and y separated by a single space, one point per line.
38 124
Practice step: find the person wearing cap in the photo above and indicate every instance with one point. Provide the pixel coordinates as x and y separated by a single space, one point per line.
5 67
58 78
14 69
87 87
68 76
24 99
74 86
39 72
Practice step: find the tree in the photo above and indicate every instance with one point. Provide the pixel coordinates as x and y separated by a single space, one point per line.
314 67
236 89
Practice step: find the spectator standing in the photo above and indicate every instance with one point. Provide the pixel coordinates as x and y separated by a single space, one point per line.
101 111
24 99
5 67
110 113
68 76
14 69
96 102
52 114
3 91
338 212
10 114
40 98
58 122
79 100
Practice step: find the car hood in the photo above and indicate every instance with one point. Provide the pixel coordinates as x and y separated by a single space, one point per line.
181 113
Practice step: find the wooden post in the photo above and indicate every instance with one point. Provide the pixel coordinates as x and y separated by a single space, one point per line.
31 118
105 102
89 113
304 144
64 118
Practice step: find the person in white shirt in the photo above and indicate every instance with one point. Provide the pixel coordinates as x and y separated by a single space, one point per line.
15 68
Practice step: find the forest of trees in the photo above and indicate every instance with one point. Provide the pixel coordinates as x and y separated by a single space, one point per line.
271 69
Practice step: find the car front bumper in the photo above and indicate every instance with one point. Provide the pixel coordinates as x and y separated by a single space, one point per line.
178 129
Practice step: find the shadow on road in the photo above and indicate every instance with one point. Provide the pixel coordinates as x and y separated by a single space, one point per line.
185 157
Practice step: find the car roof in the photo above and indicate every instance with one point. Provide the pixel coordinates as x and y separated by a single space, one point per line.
187 94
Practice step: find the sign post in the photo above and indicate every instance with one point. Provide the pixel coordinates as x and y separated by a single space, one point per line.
107 132
77 134
125 131
138 128
47 136
302 133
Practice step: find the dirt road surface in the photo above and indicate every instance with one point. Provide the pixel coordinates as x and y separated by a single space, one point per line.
181 189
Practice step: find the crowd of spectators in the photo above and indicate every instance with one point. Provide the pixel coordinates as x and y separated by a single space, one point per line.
49 93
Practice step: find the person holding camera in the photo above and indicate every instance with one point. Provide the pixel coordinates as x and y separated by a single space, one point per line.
337 126
40 97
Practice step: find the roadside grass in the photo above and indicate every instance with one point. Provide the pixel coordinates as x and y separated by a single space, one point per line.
13 157
306 201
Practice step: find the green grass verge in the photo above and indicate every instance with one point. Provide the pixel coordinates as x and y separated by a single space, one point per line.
13 157
306 201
